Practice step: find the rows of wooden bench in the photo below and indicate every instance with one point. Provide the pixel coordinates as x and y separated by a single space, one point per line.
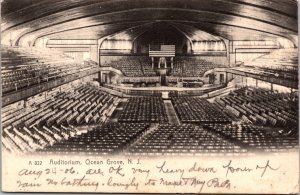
262 107
82 106
22 68
191 67
109 138
144 109
183 139
198 110
256 138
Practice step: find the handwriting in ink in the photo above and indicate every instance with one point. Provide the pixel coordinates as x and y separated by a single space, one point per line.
117 171
162 169
150 182
26 172
95 172
137 170
27 184
126 185
196 168
217 183
232 169
80 182
265 168
193 181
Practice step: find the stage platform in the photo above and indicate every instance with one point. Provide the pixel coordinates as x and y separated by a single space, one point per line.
166 88
165 92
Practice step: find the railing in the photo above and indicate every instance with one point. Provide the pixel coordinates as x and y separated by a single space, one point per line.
270 79
112 92
109 68
173 79
36 89
140 79
158 92
219 92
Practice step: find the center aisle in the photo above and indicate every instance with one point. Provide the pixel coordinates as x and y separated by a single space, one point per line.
172 116
115 115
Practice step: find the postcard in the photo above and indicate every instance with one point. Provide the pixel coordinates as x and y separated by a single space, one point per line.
151 96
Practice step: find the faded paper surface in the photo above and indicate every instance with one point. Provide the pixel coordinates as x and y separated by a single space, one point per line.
277 173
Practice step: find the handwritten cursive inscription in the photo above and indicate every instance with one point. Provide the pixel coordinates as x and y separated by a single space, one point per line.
28 184
79 182
26 172
163 169
132 183
230 169
265 168
196 168
133 176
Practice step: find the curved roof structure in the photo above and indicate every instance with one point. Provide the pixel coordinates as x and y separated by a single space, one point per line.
95 19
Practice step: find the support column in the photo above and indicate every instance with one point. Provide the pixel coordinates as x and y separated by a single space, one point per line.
171 62
152 61
99 79
256 84
226 77
292 91
25 103
109 76
242 80
272 87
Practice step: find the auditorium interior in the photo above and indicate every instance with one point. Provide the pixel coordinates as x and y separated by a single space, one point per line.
149 77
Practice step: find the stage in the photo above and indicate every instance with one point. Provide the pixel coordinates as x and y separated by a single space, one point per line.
166 88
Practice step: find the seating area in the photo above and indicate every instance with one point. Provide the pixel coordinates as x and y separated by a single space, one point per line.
139 66
74 120
256 138
144 109
146 66
183 139
84 105
262 107
279 59
24 67
134 66
198 110
191 67
105 139
282 63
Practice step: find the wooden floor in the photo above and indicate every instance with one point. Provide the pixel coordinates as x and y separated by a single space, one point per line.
115 115
172 116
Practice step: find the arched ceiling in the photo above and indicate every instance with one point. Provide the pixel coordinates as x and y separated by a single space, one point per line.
95 19
194 34
132 33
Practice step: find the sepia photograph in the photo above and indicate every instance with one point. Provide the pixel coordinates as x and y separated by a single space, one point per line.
150 96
